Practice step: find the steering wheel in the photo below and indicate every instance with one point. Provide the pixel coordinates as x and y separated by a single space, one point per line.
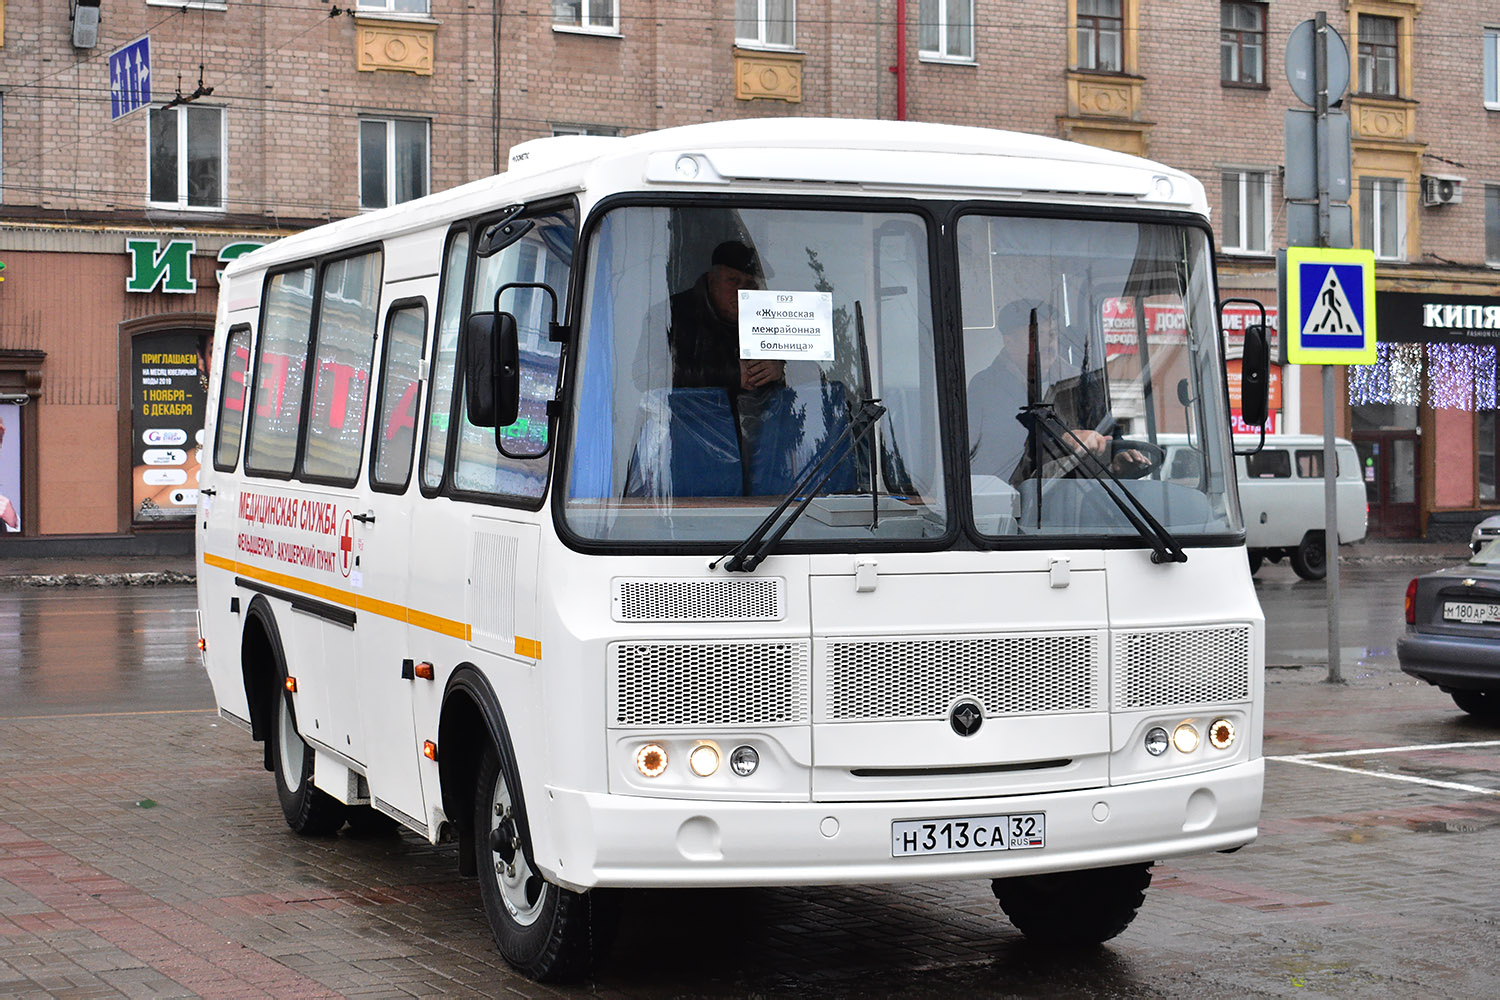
1153 454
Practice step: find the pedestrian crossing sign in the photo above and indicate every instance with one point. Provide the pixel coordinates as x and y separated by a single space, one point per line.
1330 297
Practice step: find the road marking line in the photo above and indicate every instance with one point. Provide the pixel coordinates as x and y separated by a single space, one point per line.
1374 750
1430 782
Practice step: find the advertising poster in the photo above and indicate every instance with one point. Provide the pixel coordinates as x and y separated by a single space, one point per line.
169 388
10 469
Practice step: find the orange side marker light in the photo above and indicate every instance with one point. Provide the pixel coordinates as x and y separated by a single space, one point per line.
202 645
429 750
291 684
424 671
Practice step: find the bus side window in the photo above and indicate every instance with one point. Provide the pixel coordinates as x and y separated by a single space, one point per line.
232 391
347 315
396 405
445 354
285 327
1310 464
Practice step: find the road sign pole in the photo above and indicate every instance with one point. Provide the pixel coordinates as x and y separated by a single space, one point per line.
1330 457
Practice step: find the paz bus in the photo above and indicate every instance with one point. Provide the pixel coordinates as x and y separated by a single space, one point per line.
503 540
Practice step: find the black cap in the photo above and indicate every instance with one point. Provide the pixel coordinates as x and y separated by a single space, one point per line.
733 253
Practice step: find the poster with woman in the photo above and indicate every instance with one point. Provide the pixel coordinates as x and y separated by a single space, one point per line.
10 468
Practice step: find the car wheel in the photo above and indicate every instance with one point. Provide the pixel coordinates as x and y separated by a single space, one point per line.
1483 705
309 810
1074 909
542 930
1309 561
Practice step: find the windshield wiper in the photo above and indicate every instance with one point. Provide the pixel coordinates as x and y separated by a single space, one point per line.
1164 546
750 553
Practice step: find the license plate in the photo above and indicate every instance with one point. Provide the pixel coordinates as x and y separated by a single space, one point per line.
969 834
1470 612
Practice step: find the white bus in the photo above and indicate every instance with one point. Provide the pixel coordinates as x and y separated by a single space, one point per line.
750 503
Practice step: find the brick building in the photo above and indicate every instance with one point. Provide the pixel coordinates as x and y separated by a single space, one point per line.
115 211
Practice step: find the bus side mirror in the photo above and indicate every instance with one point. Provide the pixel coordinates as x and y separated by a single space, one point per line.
492 370
1255 376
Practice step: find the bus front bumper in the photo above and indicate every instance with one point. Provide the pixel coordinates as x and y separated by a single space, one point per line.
622 840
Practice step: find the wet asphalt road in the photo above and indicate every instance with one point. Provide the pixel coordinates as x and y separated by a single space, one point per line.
142 852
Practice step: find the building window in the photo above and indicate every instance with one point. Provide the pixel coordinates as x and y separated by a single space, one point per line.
1247 218
587 15
1101 27
1382 216
607 130
1377 55
187 157
1484 453
766 22
1492 68
393 6
392 161
1242 43
946 29
1492 225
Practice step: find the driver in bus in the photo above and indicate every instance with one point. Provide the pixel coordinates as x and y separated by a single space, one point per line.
704 336
999 440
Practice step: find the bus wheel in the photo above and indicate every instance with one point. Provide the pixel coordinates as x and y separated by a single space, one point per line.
542 930
1072 909
309 811
1256 558
1308 559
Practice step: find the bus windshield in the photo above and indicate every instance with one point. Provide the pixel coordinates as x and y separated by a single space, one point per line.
691 424
724 350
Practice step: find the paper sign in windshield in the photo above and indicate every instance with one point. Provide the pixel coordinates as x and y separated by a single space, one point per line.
786 325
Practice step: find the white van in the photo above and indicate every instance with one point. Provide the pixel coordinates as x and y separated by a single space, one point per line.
1281 495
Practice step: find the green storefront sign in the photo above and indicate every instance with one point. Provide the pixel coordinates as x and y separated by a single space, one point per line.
169 268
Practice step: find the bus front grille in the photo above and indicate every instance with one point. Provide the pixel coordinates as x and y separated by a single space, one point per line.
749 683
874 679
1176 667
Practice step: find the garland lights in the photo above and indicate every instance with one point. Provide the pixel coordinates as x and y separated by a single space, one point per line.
1459 376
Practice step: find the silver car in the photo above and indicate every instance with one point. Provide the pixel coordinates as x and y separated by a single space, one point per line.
1484 531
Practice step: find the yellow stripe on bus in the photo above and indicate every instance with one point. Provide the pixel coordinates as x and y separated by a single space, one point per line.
359 602
528 647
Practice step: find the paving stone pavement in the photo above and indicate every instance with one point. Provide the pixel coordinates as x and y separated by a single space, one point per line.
142 854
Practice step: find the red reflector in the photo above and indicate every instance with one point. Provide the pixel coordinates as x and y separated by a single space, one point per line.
429 750
424 671
291 684
1411 603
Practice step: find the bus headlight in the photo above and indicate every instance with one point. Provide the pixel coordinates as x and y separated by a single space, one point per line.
1221 734
1156 741
651 760
704 759
1185 738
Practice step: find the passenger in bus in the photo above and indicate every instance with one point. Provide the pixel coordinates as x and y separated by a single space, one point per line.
704 336
1000 442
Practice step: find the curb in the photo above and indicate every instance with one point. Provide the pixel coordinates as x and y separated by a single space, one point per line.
79 580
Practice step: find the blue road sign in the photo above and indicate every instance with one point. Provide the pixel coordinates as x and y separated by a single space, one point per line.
1330 298
130 78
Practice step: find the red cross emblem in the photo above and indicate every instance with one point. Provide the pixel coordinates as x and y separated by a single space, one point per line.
346 544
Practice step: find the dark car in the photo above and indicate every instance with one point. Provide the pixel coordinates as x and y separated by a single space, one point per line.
1453 632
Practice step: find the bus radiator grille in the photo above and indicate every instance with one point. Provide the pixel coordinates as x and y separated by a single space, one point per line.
873 679
709 683
1169 668
693 600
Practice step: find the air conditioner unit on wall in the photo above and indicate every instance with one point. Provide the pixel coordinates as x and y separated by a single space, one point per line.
1441 189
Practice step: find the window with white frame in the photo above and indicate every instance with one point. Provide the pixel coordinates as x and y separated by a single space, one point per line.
586 15
1101 32
766 22
186 163
1247 211
392 161
1382 216
946 29
607 130
1492 68
392 6
1492 224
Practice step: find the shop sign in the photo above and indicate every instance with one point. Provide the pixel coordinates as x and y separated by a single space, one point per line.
171 268
1273 385
1167 324
1414 317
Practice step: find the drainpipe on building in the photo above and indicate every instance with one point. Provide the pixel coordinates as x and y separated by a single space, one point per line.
900 68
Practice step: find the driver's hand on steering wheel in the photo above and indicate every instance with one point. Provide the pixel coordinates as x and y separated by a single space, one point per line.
1130 463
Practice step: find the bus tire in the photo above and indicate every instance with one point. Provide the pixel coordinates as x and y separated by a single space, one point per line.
1074 909
1482 705
309 811
1309 561
543 931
